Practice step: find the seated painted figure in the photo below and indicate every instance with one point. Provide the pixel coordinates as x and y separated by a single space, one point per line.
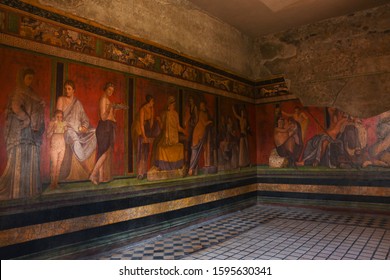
169 153
288 140
327 149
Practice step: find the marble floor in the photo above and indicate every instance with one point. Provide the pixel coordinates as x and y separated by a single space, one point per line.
265 232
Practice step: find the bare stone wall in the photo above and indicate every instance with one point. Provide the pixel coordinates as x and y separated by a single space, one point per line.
342 62
175 24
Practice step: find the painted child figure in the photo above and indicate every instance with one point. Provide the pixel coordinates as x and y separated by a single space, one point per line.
57 128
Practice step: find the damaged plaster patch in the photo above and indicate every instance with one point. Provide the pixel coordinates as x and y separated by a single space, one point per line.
338 62
63 4
71 4
272 48
325 92
271 51
365 96
111 13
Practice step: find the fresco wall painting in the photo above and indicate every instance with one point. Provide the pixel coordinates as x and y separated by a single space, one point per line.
100 124
184 133
80 110
293 135
237 135
76 122
154 101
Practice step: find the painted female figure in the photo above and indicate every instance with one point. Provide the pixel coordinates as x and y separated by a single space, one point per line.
190 126
80 136
199 138
243 160
23 132
105 134
288 140
169 152
379 152
299 116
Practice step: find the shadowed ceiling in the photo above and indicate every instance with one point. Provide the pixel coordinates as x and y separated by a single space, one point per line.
256 18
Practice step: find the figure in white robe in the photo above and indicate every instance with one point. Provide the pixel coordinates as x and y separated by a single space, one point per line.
80 137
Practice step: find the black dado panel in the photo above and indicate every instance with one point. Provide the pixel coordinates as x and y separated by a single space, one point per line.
131 200
123 228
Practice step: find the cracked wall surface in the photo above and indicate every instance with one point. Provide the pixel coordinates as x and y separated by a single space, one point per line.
342 62
175 24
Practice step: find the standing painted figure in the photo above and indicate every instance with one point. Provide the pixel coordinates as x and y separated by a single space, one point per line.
80 136
105 135
190 123
55 133
243 160
199 138
147 129
23 135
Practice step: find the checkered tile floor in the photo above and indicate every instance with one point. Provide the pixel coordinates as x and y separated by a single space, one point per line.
269 232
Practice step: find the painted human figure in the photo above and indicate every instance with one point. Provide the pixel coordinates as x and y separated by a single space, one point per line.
323 149
353 136
169 153
228 146
301 117
24 128
190 124
148 128
277 114
80 136
105 135
379 152
200 137
288 140
55 133
243 160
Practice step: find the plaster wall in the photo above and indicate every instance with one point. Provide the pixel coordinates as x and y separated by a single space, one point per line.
342 62
176 24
